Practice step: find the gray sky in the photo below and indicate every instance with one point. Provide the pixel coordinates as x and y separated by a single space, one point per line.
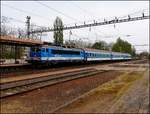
72 12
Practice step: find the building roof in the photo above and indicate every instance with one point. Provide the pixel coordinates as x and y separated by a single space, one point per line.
19 41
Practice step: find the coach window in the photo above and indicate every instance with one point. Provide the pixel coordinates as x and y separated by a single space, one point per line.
46 50
43 49
38 50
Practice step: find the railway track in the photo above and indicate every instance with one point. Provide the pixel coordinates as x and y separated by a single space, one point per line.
7 70
14 87
21 86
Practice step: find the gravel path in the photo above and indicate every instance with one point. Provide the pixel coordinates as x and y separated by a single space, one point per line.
128 93
136 99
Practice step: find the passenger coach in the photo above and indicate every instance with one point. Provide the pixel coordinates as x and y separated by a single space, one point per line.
97 55
120 56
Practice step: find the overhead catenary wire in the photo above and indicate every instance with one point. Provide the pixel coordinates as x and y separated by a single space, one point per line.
142 50
23 22
27 12
43 26
131 14
110 35
141 45
83 10
57 11
114 19
11 18
97 24
53 9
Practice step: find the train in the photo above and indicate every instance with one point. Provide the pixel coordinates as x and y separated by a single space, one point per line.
56 54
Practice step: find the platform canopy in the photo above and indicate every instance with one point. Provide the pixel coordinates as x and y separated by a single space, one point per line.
10 40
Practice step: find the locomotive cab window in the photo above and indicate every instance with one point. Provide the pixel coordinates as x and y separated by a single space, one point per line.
46 50
33 49
38 50
43 49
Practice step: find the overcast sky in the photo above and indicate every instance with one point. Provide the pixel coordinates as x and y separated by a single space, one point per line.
72 12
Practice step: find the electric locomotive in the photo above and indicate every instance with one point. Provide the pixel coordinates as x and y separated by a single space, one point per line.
56 54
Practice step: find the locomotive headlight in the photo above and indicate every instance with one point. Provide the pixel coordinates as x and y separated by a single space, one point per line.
36 58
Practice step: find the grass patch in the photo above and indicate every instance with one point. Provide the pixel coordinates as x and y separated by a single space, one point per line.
119 85
128 81
130 78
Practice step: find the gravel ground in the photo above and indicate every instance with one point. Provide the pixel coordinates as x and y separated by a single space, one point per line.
128 93
136 99
48 98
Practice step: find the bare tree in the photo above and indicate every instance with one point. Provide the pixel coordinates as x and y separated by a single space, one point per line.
4 29
21 33
78 43
33 27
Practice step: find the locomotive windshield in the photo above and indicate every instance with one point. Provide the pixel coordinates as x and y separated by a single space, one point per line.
35 49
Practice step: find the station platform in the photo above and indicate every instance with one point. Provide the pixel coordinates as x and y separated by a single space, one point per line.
13 65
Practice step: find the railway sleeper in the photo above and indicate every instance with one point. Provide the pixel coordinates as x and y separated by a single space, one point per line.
13 84
37 85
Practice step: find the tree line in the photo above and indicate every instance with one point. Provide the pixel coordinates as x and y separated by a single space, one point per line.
119 46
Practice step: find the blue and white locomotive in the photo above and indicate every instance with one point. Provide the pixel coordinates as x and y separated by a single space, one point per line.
56 54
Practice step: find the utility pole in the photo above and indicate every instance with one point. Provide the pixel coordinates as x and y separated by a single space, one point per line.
70 33
28 26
